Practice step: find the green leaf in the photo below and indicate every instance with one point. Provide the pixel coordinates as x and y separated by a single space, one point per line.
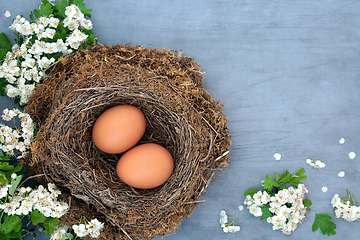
302 177
84 45
4 41
272 181
267 186
269 183
87 31
251 192
266 212
4 51
281 187
299 175
4 236
6 166
300 172
322 221
32 17
86 12
13 224
285 177
15 170
37 13
14 183
20 40
307 203
80 4
91 39
6 226
5 158
6 217
37 217
3 179
60 8
46 9
5 45
277 177
296 178
294 182
50 225
14 235
44 1
17 100
56 220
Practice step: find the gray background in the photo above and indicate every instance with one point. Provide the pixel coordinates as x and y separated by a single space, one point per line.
288 74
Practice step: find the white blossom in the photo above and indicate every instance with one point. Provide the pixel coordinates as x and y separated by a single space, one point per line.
341 174
7 14
24 65
344 210
286 205
26 200
18 138
227 227
277 156
317 164
61 232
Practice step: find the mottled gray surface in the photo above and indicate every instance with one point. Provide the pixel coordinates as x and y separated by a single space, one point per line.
288 74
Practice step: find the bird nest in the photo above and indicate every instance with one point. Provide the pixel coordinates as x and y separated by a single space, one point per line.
181 116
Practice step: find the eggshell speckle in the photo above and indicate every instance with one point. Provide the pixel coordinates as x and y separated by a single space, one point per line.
145 166
118 129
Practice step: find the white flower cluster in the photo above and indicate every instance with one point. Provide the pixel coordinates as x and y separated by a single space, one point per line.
93 228
344 209
25 200
227 228
24 65
61 232
4 190
315 163
18 138
286 206
75 18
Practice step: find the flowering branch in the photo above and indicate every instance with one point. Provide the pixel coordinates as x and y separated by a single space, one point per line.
56 30
346 208
228 227
282 206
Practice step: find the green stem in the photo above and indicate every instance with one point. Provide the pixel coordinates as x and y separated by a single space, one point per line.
351 197
232 222
2 214
14 122
81 219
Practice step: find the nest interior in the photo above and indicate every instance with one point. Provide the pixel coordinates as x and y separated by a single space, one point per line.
180 115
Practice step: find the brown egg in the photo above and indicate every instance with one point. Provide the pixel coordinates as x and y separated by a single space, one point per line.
145 166
118 129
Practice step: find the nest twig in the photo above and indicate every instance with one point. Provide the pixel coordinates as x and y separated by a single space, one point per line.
180 114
